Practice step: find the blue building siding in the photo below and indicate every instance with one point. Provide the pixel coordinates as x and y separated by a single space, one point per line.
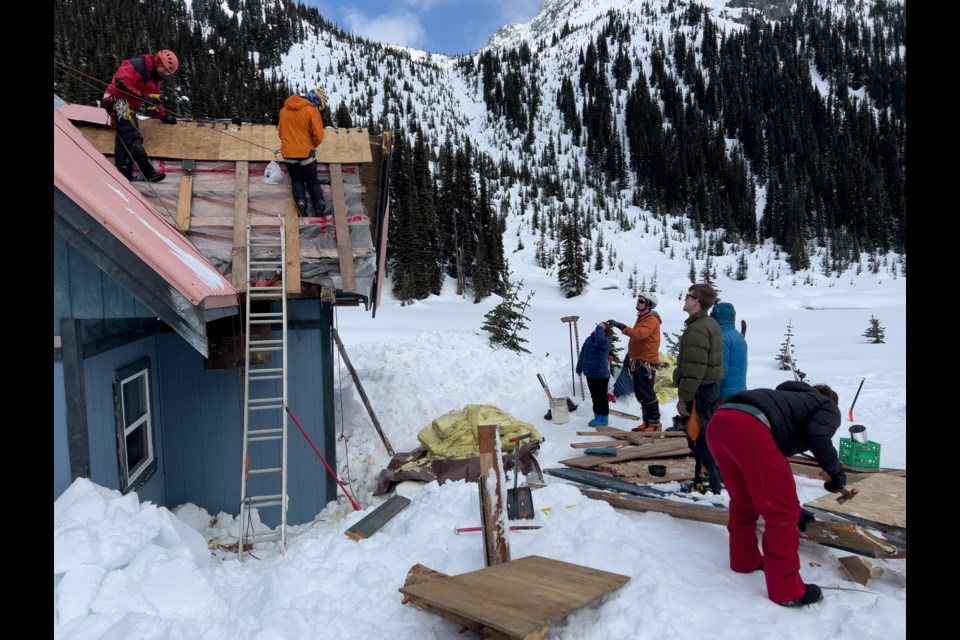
99 372
203 425
197 413
61 454
82 291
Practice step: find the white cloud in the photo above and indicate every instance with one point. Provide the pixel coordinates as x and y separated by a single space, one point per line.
400 27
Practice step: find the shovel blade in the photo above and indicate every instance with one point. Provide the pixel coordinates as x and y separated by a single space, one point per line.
520 503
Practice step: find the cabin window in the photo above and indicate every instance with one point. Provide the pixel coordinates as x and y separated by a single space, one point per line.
135 439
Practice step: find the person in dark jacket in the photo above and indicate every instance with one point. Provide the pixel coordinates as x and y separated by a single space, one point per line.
136 84
750 435
696 376
594 363
734 351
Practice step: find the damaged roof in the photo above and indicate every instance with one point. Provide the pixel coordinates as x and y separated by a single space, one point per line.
108 220
220 180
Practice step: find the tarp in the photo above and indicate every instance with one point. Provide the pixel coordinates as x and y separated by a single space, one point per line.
449 448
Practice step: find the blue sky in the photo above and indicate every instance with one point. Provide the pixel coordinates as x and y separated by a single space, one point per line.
437 26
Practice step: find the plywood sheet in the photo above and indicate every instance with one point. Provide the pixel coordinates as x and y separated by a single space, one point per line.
678 469
218 141
520 597
882 499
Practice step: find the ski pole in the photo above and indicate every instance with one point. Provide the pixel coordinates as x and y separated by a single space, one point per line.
857 395
513 527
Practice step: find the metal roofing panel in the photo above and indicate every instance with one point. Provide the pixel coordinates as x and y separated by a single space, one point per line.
90 180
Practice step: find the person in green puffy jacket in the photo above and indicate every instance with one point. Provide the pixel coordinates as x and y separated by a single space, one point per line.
696 376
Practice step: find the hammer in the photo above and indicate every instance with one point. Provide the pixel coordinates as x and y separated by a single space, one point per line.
845 494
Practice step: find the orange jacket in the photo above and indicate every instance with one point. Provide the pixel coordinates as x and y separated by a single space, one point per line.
644 345
300 128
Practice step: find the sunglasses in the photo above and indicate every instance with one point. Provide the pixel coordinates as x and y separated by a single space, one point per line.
690 295
642 301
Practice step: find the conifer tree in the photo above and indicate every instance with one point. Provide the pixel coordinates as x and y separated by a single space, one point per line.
571 274
506 320
875 332
785 357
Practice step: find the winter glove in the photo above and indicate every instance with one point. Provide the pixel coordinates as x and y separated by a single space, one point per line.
836 483
684 410
169 118
805 517
618 325
152 100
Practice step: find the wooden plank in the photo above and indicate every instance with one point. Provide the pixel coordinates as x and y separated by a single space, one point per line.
600 481
882 499
835 535
348 282
599 443
241 218
492 513
184 200
678 469
363 394
661 449
682 510
519 599
224 141
372 522
291 221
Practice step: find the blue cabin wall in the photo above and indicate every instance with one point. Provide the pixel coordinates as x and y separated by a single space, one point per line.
99 373
81 290
197 413
203 424
61 455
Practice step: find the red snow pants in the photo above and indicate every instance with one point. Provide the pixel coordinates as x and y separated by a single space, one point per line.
760 483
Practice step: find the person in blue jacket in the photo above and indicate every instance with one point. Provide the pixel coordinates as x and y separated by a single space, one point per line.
594 363
734 377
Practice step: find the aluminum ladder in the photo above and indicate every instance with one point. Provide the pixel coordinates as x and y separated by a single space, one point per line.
265 387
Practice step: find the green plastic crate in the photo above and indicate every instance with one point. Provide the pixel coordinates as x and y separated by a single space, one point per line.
860 454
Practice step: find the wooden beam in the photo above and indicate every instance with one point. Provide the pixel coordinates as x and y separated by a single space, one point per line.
348 280
291 221
847 537
363 394
492 514
380 516
184 200
241 218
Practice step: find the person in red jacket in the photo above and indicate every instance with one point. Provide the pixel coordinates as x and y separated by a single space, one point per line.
301 132
643 351
136 84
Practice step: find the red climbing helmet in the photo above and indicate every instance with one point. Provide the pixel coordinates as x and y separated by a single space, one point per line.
168 60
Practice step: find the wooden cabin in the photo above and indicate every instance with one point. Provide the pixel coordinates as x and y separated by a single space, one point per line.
150 288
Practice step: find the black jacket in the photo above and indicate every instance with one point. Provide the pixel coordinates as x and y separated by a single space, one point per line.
801 419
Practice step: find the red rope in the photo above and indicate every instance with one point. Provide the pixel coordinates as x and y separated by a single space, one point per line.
356 507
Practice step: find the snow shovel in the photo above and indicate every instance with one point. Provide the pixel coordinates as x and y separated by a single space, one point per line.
519 499
563 405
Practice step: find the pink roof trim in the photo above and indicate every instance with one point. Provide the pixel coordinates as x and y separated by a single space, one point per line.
84 113
90 180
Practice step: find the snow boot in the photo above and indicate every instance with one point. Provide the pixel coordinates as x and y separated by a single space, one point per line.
302 208
811 595
599 421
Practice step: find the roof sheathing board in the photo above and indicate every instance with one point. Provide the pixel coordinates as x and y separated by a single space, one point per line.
217 141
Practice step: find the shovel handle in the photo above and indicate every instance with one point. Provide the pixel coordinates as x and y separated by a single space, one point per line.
546 389
519 438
